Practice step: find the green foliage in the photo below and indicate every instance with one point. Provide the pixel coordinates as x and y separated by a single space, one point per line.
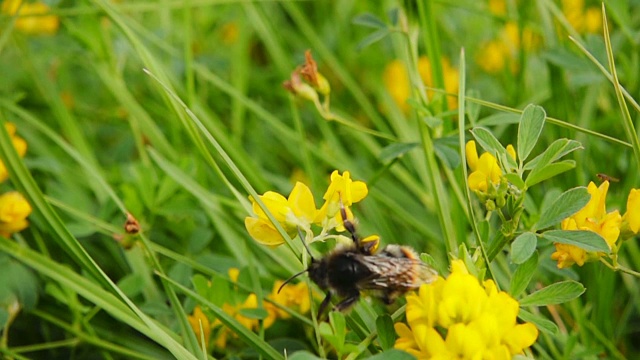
174 112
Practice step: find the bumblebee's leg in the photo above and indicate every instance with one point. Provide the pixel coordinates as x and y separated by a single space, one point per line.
349 301
323 305
389 297
348 224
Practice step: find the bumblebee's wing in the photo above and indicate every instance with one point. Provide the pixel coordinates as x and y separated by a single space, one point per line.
395 273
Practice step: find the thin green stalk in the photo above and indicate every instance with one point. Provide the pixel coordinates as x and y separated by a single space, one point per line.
548 119
432 176
431 38
463 159
627 122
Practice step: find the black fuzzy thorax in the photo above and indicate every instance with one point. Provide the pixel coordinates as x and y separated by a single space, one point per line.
340 271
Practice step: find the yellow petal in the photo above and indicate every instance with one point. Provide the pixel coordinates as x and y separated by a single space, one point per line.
472 155
632 216
302 203
277 204
13 207
511 151
478 181
263 232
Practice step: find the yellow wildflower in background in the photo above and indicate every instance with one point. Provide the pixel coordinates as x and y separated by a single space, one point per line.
496 54
461 318
32 18
582 20
396 81
295 297
485 169
592 217
14 209
195 319
498 7
18 143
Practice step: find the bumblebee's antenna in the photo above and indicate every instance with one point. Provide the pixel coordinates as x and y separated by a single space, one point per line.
301 236
291 278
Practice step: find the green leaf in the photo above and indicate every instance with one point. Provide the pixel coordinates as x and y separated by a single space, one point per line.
396 150
587 240
523 247
386 332
4 316
499 119
369 20
393 16
515 179
446 153
487 141
432 121
255 313
531 124
523 274
473 108
555 151
548 171
131 284
339 326
557 293
567 204
539 321
392 355
303 355
372 38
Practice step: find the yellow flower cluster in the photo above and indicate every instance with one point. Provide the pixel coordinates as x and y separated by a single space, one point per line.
396 81
299 211
583 20
461 318
485 169
14 208
501 52
294 297
32 17
594 217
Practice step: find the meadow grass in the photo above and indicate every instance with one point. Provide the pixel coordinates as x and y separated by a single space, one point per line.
155 128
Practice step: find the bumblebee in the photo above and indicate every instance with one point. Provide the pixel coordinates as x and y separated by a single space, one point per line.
349 270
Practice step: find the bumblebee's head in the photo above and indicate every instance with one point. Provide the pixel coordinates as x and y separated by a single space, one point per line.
318 273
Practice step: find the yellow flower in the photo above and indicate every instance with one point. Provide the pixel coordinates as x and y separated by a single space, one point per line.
498 7
582 21
251 302
195 319
484 170
492 56
31 17
397 82
460 318
632 216
18 143
298 210
342 188
14 210
496 54
592 217
295 297
593 20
